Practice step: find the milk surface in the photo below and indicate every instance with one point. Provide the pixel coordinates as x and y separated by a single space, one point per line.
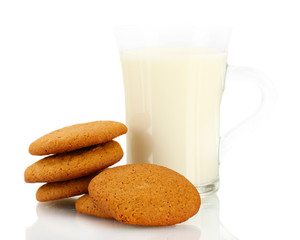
173 100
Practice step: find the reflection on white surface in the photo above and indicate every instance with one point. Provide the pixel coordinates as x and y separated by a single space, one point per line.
59 220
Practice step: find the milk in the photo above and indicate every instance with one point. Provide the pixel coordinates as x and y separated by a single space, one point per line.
173 100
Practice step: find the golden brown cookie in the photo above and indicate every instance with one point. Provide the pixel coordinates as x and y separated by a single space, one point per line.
59 190
85 205
70 165
145 194
77 136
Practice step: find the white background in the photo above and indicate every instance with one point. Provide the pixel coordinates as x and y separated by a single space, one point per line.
59 65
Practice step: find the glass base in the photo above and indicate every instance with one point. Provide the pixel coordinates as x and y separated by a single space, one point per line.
208 189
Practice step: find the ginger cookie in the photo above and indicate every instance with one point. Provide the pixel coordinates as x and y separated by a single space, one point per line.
78 163
145 194
59 190
85 205
77 136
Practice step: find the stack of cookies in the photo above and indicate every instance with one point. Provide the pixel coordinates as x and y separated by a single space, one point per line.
140 194
78 153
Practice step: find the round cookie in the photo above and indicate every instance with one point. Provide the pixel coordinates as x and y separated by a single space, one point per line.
59 190
85 205
70 165
77 136
145 194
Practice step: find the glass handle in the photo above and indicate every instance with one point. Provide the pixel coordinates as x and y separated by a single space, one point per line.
268 99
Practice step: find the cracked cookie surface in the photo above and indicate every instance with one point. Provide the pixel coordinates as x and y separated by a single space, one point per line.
65 189
78 163
144 194
77 136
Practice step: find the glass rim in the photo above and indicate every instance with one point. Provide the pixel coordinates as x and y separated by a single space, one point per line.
181 35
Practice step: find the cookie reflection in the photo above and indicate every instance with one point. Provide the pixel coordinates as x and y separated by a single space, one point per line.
56 220
139 140
59 220
141 147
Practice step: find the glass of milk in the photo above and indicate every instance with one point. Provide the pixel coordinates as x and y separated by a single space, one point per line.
174 80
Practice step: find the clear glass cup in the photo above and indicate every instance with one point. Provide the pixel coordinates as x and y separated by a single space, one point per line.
174 77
